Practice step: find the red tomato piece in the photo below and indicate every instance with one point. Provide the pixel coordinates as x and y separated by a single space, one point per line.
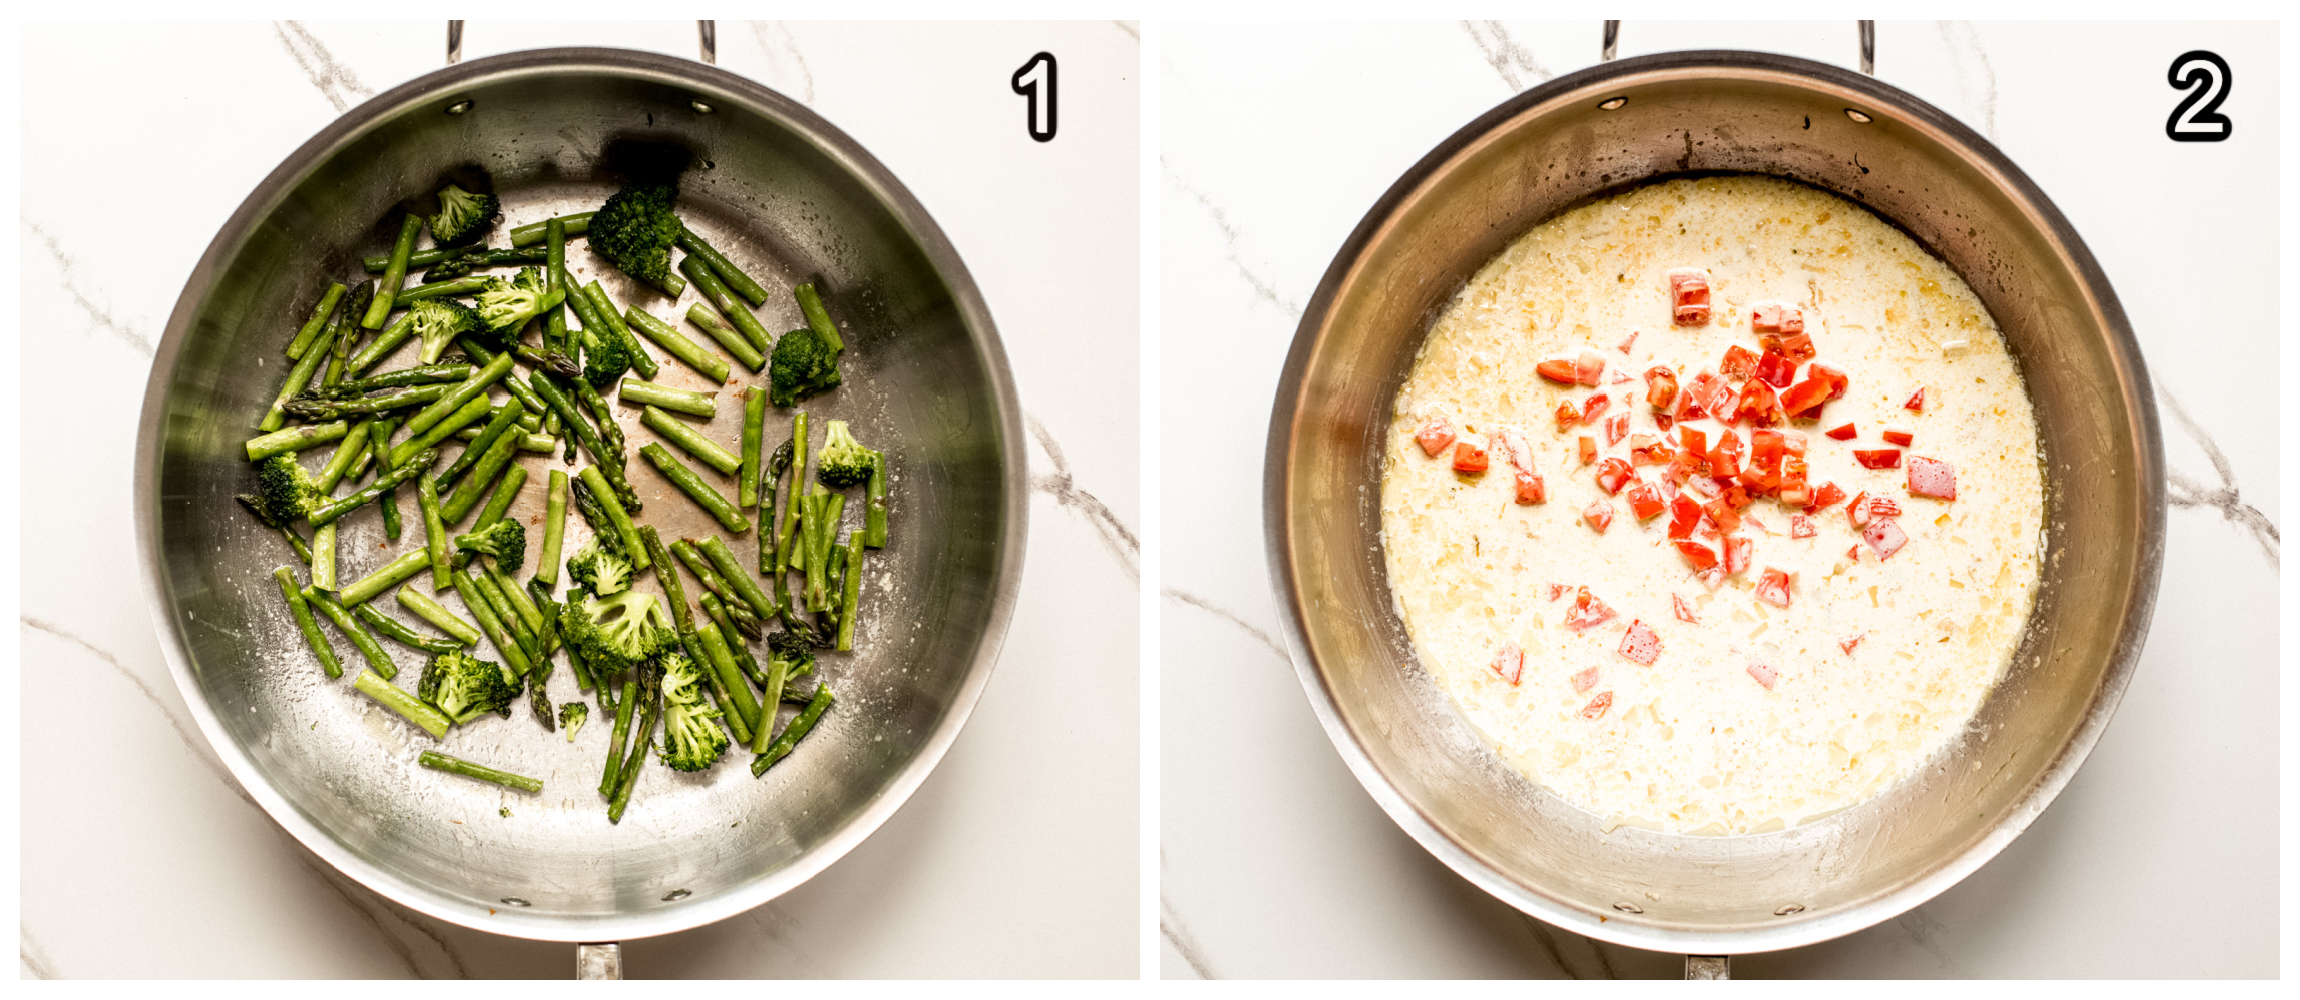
1684 467
1596 708
1684 516
1645 502
1797 345
1434 436
1763 673
1616 428
1765 448
1623 347
1854 553
1845 433
1617 377
1468 458
1738 551
1738 364
1640 644
1932 478
1599 515
1885 536
1594 407
1902 438
1776 317
1614 473
1509 663
1880 458
1585 680
1836 379
1793 491
1568 415
1529 489
1588 447
1587 612
1773 587
1660 387
1588 367
1557 590
1806 398
1917 401
1647 449
1775 369
1689 296
1823 496
1697 555
1720 401
1801 526
1557 370
1723 514
1736 495
1725 459
1851 641
1661 420
1858 511
1759 406
1683 609
1694 440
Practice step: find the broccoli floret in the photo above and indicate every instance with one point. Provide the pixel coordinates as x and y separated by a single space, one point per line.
793 651
463 216
466 687
506 306
506 540
605 359
634 230
571 717
803 366
843 462
692 736
599 571
284 491
616 633
438 322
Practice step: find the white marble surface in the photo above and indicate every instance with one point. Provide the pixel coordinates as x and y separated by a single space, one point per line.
1018 857
2159 859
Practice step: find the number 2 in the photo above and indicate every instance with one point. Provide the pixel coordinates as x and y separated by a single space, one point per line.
2197 118
1028 82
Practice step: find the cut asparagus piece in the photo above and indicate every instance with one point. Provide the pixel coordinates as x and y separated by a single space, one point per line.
409 707
689 440
437 614
437 761
700 404
293 591
692 484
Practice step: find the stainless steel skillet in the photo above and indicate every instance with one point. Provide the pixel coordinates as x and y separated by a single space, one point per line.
790 198
1623 123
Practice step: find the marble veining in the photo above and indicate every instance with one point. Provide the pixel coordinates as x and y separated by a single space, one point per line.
1264 288
1552 948
371 909
34 961
1063 487
1505 55
1975 77
335 81
2184 492
1133 29
1176 933
1203 604
784 60
102 315
191 741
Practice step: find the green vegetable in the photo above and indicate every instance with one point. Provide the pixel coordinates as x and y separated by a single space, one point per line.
796 731
688 401
844 461
293 591
505 540
717 292
317 322
554 527
615 633
284 491
604 308
408 706
692 737
507 306
572 716
751 355
465 687
412 468
634 231
392 574
803 367
368 648
688 439
437 614
754 429
532 233
595 482
711 365
434 531
441 762
436 323
397 631
394 273
599 571
688 482
751 291
463 216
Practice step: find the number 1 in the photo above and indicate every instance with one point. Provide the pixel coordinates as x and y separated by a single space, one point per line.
1027 82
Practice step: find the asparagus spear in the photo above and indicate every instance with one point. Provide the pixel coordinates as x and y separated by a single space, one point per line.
727 336
609 464
596 295
630 776
440 431
298 376
447 372
392 574
293 591
689 440
555 280
633 547
377 660
413 467
727 684
473 256
323 557
700 404
349 446
394 272
437 614
754 428
468 493
707 282
434 532
796 731
409 707
851 594
723 559
396 630
711 365
611 779
475 601
730 516
741 611
506 417
693 243
718 612
554 528
437 761
317 322
470 389
379 447
319 408
533 232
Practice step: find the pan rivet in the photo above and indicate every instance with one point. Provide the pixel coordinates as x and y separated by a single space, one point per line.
700 107
676 895
1614 104
459 107
1789 908
515 901
1628 907
1856 116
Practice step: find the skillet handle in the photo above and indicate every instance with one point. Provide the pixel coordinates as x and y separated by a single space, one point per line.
605 961
1701 966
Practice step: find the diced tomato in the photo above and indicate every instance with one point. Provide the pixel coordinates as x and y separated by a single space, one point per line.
1617 377
1712 578
1557 370
1613 473
1684 467
1647 449
1704 487
1806 398
1660 387
1640 644
1758 482
1594 407
1917 401
1644 502
1587 612
1720 401
1588 367
1684 516
1509 663
1759 406
1858 511
1434 436
1697 555
1765 449
1773 587
1880 458
1738 364
1557 590
1823 496
1599 515
1836 379
1865 507
1468 458
1738 551
1796 345
1684 610
1725 459
1588 446
1736 495
1529 488
1616 427
1854 553
1661 420
1884 535
1726 516
1694 439
1623 347
1845 433
1801 526
1775 369
1689 296
1763 673
1932 478
1693 403
1585 680
1902 438
1596 708
1776 317
1846 643
1568 414
1793 491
